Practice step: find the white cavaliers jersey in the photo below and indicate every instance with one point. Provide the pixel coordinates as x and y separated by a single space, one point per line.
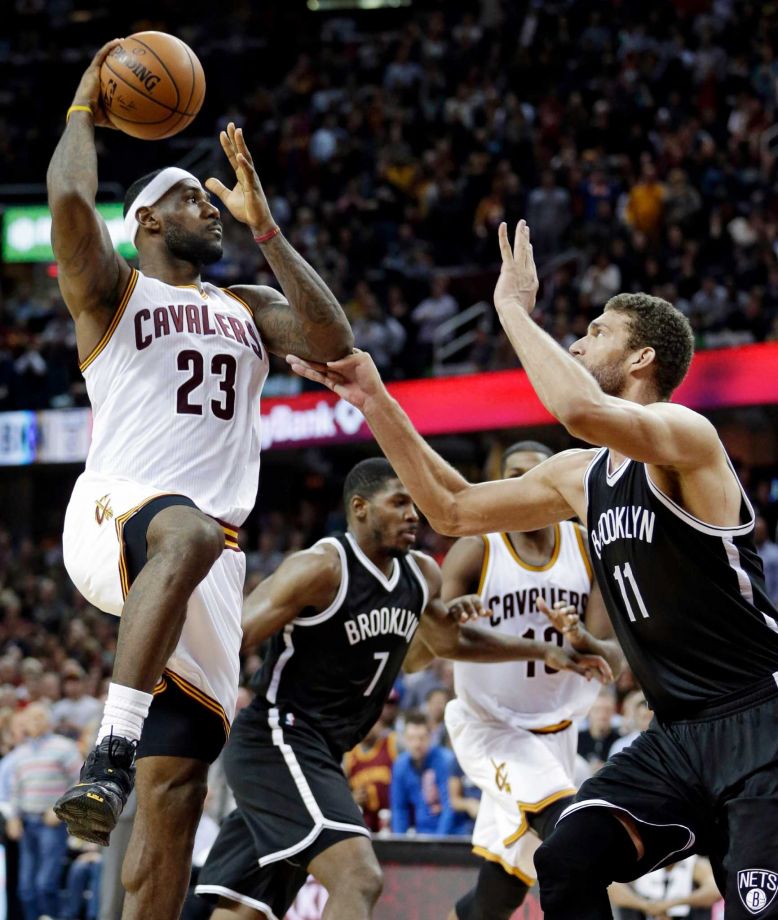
525 694
174 385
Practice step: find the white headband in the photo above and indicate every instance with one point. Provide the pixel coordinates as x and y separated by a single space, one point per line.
159 186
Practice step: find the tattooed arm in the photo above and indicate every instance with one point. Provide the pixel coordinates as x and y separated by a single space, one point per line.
91 274
307 316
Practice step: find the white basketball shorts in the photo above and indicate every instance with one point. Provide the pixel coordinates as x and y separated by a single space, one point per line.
519 772
205 664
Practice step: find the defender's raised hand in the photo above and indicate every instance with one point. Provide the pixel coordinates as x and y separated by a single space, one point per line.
246 200
354 378
518 283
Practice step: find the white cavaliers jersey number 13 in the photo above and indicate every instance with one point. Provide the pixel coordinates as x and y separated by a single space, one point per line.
525 694
174 385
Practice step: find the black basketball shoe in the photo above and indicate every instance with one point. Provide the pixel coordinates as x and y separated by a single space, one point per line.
92 807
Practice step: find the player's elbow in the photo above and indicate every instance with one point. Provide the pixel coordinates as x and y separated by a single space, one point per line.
448 517
579 417
338 342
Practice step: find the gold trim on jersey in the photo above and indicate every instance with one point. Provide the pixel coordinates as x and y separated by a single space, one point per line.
201 291
199 697
533 808
230 536
536 568
240 300
484 565
159 687
551 729
133 280
511 870
584 554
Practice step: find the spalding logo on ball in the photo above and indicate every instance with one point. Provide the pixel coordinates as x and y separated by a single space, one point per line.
152 85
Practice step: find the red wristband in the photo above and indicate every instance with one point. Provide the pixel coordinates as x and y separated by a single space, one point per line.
267 236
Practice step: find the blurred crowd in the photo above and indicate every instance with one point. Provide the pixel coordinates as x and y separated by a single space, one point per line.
639 141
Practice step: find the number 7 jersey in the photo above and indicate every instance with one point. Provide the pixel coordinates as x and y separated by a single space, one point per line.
174 385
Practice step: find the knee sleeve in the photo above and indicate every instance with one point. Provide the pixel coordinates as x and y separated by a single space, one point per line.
495 896
586 852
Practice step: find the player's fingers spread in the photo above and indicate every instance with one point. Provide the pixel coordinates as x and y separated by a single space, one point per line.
505 246
218 188
518 239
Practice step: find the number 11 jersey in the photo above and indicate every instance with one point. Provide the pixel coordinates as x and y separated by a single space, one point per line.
687 599
174 385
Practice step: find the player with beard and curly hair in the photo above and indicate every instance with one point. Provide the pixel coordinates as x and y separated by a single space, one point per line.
671 534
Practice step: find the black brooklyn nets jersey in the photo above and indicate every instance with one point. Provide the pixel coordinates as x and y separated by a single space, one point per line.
334 669
687 599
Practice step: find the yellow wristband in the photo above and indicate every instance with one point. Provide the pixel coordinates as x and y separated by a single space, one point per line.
78 108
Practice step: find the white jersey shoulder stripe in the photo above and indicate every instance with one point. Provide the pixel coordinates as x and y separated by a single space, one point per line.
579 536
240 300
125 299
712 530
484 576
588 472
425 588
342 589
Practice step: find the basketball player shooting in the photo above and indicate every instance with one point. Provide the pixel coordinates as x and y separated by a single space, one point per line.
174 368
340 618
671 540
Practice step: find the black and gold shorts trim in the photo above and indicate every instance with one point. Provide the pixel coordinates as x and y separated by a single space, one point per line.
183 722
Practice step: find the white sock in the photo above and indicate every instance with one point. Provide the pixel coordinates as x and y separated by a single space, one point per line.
125 711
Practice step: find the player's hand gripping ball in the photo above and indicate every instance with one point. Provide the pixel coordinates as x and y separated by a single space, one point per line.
152 85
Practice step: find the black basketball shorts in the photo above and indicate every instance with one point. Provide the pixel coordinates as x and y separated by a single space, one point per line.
707 785
293 801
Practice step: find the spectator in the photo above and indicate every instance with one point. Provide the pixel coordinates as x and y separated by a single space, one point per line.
601 280
684 889
419 790
596 740
644 207
428 315
44 767
435 709
77 709
368 769
464 798
768 552
548 214
636 716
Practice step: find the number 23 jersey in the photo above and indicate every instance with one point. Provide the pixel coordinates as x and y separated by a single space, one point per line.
174 385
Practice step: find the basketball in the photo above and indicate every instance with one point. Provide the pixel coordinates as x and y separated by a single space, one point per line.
152 85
